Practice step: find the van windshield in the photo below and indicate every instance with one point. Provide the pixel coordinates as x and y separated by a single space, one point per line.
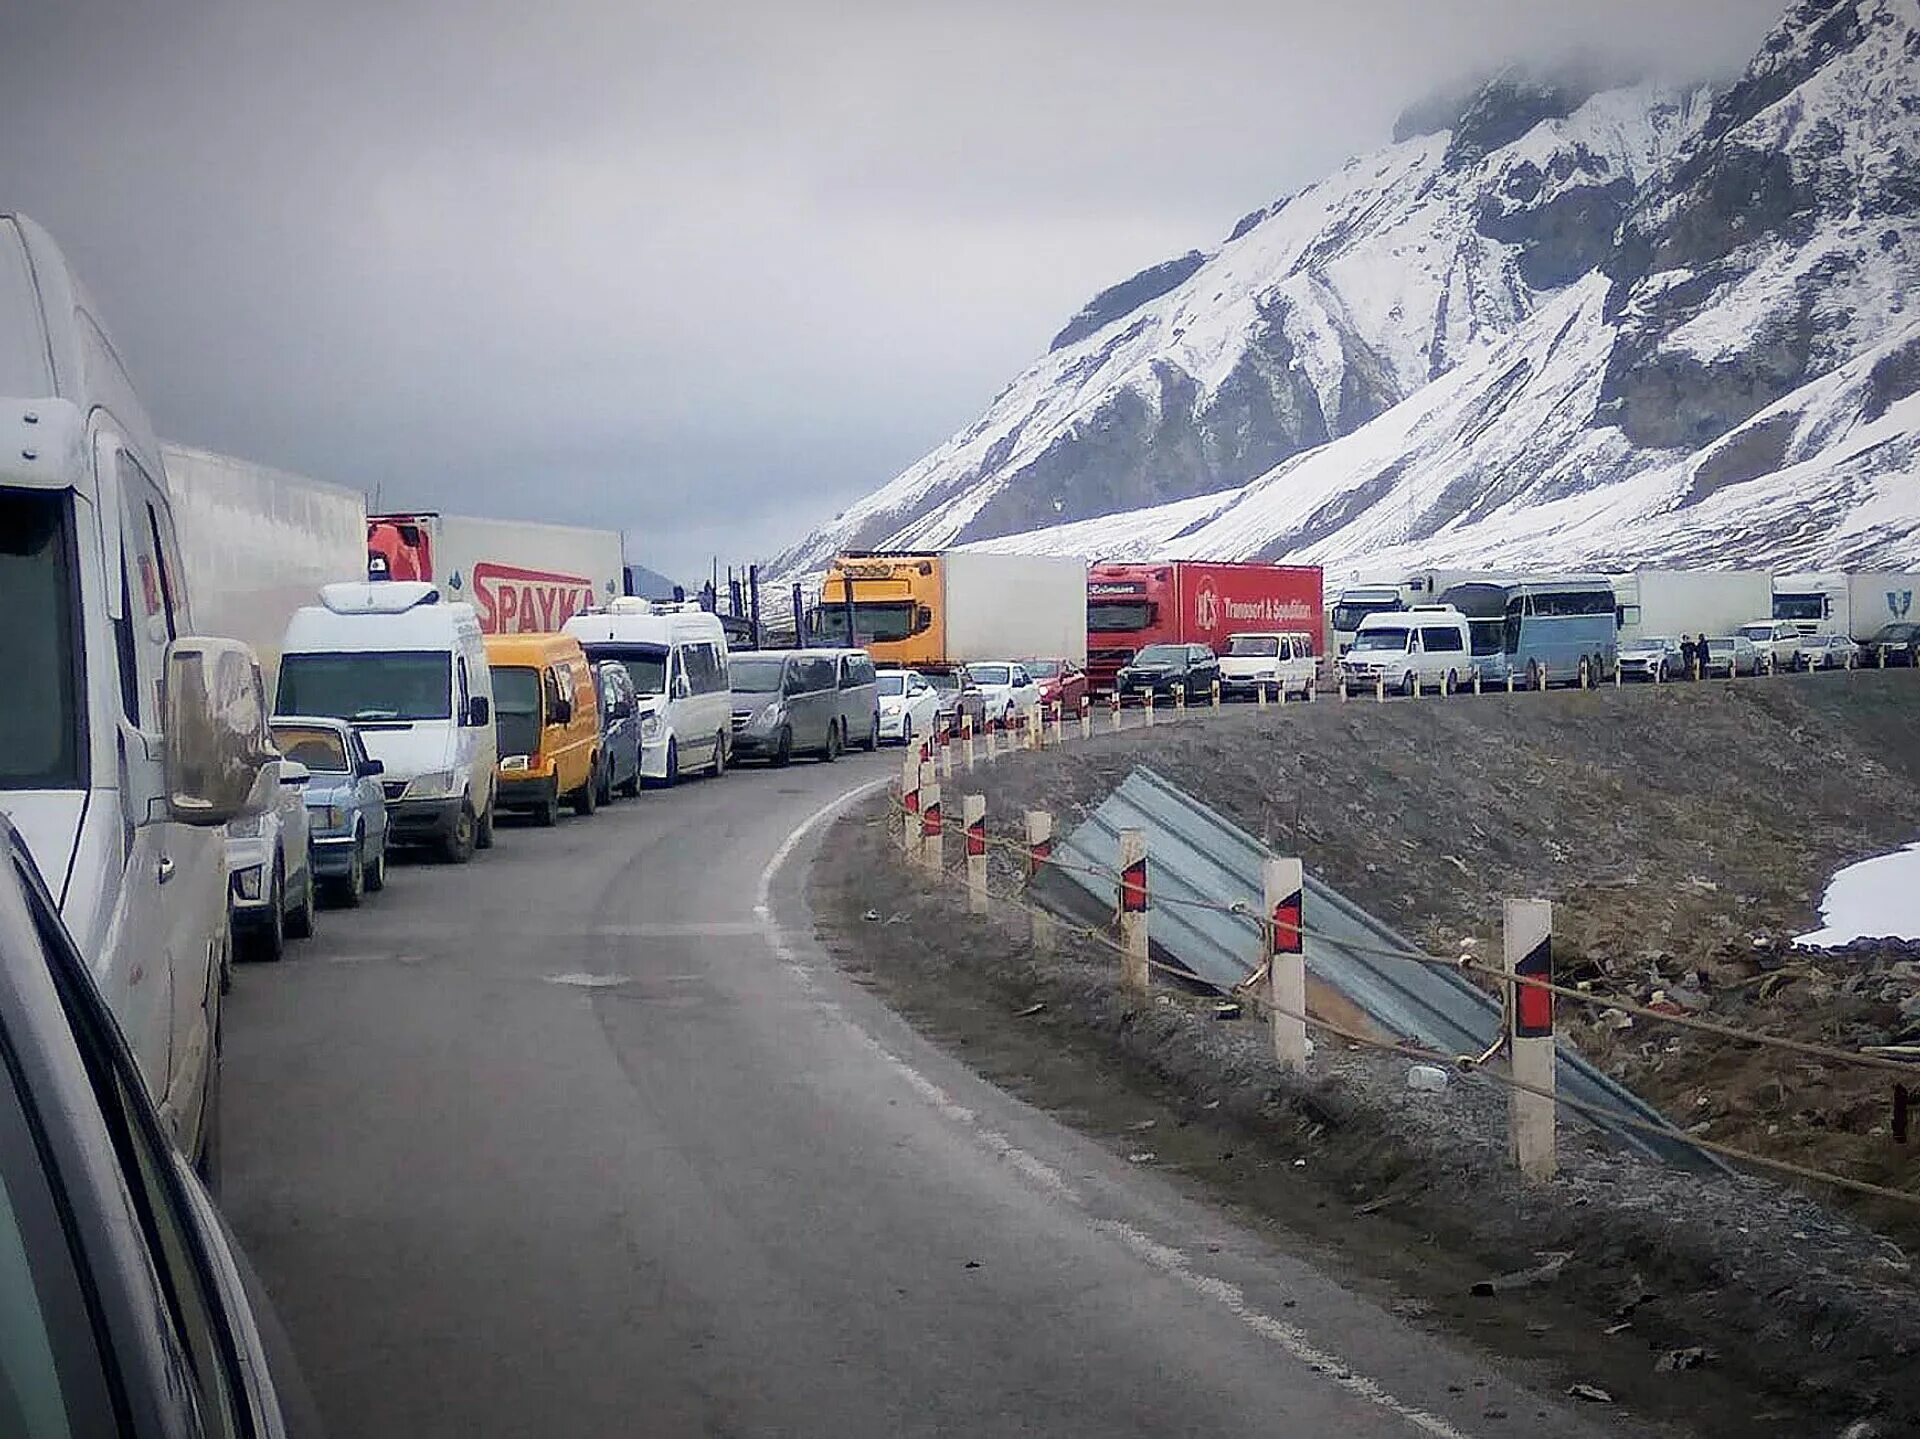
516 709
646 664
1253 646
1394 640
39 704
368 686
756 674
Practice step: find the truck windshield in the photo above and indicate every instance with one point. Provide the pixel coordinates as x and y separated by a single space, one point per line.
368 686
1348 613
646 664
756 674
39 704
1113 617
516 709
874 619
1800 607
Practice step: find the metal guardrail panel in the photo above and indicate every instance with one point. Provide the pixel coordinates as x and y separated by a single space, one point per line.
1193 853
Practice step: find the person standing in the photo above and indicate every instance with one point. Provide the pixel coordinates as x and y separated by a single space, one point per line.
1689 653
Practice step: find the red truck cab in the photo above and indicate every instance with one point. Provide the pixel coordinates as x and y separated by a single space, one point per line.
1131 606
399 547
1128 608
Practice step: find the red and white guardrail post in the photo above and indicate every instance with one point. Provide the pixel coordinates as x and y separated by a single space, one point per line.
1086 716
1529 955
910 801
966 738
1133 911
930 819
1113 706
1287 962
973 813
1039 851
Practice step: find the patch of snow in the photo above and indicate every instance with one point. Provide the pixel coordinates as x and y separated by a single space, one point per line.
1877 898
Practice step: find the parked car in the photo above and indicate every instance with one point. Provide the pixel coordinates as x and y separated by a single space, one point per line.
859 699
785 702
1653 657
1828 652
1282 662
909 705
1776 641
1895 644
958 697
346 804
1156 669
1005 687
271 893
547 718
1061 682
131 1312
1732 655
1428 646
619 727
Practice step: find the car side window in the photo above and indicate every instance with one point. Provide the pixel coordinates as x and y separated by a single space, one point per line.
1020 677
461 692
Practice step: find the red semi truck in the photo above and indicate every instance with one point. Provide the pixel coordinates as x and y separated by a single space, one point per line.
1130 606
517 576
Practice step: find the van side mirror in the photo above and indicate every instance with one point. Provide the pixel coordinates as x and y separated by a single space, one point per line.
479 711
216 749
370 769
682 687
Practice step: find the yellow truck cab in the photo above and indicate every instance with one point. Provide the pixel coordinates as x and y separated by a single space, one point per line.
547 714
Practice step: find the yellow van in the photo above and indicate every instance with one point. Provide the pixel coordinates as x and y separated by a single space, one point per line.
547 716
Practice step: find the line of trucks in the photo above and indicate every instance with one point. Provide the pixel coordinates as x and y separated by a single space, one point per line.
148 588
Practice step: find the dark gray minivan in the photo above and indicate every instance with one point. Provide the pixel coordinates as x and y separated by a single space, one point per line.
859 699
786 702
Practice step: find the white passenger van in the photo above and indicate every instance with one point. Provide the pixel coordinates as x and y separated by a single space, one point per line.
410 672
1427 645
1280 660
676 655
125 745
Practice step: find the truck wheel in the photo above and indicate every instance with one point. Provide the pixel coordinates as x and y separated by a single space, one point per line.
1407 682
603 783
873 735
586 799
457 845
719 756
548 814
673 764
631 788
483 827
377 871
1452 683
268 942
1533 676
783 752
830 751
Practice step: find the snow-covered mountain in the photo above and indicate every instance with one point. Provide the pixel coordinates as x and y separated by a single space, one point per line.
1564 325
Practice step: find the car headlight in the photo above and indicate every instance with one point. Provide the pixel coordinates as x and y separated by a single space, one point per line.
649 725
436 785
513 762
769 715
248 882
246 826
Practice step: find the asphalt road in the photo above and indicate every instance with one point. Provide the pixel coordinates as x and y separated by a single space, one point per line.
587 1138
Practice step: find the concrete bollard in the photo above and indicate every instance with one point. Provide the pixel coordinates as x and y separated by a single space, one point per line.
1059 718
1545 683
1528 942
1260 695
1380 687
1286 962
1343 687
1179 695
1086 716
943 742
1146 713
1113 705
973 814
1617 680
1509 681
1133 912
1216 694
910 802
966 739
1476 681
930 819
1039 851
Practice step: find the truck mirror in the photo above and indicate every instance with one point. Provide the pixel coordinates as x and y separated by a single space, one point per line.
479 711
216 748
922 618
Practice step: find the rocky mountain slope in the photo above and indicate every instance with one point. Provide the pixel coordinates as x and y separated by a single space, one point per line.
1574 325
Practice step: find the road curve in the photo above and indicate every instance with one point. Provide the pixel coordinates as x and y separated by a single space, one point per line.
587 1138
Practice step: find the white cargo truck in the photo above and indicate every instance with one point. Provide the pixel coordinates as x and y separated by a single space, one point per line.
258 543
126 743
520 577
1856 604
1672 603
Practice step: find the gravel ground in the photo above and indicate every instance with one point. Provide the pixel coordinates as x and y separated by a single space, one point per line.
1672 828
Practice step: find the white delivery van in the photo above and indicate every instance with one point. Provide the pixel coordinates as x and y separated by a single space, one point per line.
1427 646
1281 661
410 672
125 745
676 655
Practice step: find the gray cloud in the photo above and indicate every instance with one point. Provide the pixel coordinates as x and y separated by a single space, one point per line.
703 272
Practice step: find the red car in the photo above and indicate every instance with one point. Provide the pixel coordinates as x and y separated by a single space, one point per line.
1059 680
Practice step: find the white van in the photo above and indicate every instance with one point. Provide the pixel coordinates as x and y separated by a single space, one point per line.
676 655
125 745
1428 646
1280 660
410 672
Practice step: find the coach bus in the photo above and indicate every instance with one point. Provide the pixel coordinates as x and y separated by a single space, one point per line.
1541 632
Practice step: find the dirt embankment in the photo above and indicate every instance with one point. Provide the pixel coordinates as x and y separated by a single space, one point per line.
1681 832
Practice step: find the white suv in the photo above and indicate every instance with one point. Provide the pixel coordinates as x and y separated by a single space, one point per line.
1778 642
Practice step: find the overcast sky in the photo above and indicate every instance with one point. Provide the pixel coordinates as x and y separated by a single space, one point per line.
706 272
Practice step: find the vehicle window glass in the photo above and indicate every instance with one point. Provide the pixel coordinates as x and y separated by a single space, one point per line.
320 750
1441 640
716 664
757 674
820 675
1253 646
516 709
368 686
165 565
989 674
145 640
646 665
891 684
1020 677
40 704
462 687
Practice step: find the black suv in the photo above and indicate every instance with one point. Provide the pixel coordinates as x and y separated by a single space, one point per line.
1895 644
1158 668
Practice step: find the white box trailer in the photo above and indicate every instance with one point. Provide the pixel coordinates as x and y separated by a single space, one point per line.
1855 604
518 576
258 543
1002 607
1690 602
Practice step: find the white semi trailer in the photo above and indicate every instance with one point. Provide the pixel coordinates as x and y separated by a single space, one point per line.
1690 602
